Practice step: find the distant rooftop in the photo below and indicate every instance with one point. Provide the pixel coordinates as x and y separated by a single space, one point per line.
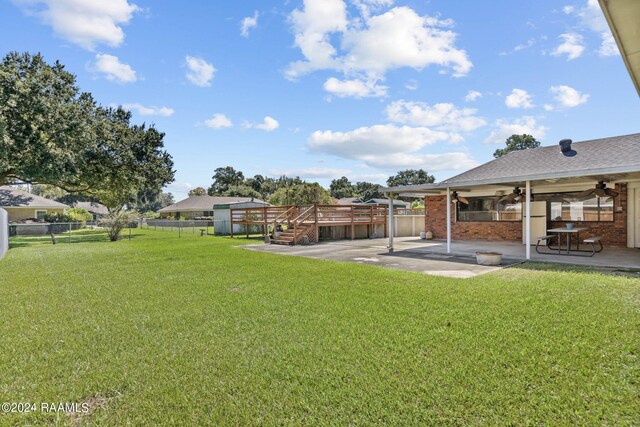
12 197
205 203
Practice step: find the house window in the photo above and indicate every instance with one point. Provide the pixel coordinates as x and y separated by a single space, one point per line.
488 209
40 215
569 207
207 213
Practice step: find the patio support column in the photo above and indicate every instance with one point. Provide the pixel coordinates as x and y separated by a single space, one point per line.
448 220
392 228
527 227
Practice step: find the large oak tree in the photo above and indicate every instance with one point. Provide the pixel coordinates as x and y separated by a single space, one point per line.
51 133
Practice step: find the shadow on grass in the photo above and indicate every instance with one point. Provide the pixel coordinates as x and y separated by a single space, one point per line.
575 268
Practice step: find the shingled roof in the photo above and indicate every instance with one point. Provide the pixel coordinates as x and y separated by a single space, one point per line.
13 198
618 154
205 203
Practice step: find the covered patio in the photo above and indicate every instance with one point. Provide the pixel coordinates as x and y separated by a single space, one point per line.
624 258
592 185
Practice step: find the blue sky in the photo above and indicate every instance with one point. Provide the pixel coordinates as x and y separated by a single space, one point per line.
325 88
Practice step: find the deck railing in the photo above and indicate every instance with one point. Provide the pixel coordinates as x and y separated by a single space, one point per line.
319 215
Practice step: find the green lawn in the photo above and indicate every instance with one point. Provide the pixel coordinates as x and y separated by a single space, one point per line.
166 330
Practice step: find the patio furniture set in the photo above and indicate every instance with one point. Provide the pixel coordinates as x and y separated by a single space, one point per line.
568 231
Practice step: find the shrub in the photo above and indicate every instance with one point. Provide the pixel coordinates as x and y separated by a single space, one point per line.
117 221
57 217
79 214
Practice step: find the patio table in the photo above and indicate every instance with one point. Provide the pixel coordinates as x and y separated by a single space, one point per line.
568 232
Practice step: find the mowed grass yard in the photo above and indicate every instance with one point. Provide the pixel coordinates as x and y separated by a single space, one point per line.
164 330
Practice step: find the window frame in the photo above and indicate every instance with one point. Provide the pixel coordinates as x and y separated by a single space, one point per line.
599 209
496 198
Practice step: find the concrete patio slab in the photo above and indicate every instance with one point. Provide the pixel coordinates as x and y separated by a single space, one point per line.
430 256
374 252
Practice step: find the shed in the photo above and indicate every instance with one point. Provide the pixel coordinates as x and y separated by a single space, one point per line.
222 217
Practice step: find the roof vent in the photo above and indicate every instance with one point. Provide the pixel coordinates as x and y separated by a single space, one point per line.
565 147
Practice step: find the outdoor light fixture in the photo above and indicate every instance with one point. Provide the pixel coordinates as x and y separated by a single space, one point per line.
565 147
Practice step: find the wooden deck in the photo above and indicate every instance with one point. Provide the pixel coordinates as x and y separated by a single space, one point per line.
300 221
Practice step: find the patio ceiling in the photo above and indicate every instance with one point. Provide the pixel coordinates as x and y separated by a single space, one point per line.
623 17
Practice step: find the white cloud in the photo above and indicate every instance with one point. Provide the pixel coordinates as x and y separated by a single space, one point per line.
200 71
113 69
366 7
86 23
548 107
150 110
443 116
268 124
180 186
503 129
402 38
371 45
354 88
567 96
218 121
431 162
411 84
592 18
522 46
314 172
472 95
248 23
374 140
389 146
572 46
519 98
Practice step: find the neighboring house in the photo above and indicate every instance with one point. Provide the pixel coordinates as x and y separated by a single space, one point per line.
347 201
94 208
397 204
23 205
556 181
199 206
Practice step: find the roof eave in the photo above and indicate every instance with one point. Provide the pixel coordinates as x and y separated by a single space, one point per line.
620 30
436 188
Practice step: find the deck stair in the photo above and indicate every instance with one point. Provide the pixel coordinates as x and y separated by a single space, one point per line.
300 222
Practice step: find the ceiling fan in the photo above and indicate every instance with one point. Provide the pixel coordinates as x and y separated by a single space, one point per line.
456 198
515 196
600 190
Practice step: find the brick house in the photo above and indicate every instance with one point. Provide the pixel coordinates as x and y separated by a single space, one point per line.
558 182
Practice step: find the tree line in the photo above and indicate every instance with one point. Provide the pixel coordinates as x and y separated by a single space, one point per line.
284 190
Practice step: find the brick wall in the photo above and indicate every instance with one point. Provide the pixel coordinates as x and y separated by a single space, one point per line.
614 233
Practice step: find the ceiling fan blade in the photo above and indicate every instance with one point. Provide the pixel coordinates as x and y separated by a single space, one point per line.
600 192
585 194
506 199
611 192
463 200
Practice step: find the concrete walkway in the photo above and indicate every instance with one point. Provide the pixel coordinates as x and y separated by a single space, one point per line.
430 257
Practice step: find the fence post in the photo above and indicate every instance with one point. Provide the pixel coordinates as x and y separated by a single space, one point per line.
69 232
179 230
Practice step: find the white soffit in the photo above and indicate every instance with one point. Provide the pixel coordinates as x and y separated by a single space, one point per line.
623 17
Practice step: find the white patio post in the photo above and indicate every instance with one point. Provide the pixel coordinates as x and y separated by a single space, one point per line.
392 229
528 221
448 220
